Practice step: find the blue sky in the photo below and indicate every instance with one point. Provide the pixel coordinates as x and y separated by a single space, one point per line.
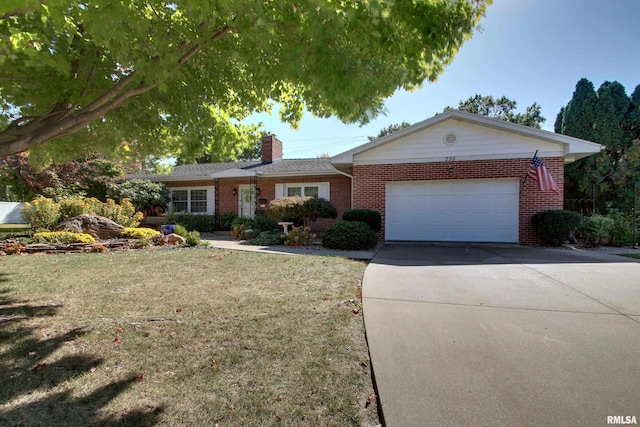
528 50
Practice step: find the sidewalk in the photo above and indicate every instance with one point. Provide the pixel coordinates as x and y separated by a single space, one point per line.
223 240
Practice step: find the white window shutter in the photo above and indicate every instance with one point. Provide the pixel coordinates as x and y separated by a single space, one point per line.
211 200
279 190
324 191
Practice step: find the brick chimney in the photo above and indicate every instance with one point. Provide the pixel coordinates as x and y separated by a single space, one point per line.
271 149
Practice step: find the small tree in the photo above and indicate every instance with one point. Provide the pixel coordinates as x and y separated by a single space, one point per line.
147 196
302 208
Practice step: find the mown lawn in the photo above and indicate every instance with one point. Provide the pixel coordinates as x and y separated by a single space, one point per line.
182 337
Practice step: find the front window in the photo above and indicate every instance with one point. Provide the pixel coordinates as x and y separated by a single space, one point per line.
179 201
309 191
198 201
189 200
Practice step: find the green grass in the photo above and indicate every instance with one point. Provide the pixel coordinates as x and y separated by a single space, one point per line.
637 256
182 337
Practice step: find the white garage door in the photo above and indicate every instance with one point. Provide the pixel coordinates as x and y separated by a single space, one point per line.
478 210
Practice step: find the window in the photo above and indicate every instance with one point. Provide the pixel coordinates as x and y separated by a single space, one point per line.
310 191
198 201
179 202
191 200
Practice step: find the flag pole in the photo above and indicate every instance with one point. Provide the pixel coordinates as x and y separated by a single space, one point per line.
526 175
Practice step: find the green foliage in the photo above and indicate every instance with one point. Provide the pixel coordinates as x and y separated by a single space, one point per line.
556 226
123 213
176 78
138 233
369 217
66 237
611 118
390 129
148 197
502 108
227 219
349 235
72 207
181 231
621 231
302 208
201 223
299 236
596 230
264 223
267 238
42 213
192 238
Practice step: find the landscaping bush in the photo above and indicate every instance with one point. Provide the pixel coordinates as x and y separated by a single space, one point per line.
12 248
244 228
42 213
299 236
556 226
62 237
227 219
349 235
622 230
123 213
192 238
267 238
201 223
138 233
264 223
596 230
72 207
369 217
181 231
147 196
301 208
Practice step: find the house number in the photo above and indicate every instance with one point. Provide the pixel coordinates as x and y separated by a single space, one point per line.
450 159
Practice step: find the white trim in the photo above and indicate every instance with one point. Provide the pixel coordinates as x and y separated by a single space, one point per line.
210 198
573 148
324 188
233 173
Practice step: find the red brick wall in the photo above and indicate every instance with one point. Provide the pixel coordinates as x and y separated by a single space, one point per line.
340 193
369 184
271 149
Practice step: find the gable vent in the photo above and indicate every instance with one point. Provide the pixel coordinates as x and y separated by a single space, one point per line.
450 138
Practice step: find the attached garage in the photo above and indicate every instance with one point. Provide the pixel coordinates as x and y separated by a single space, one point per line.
459 177
478 210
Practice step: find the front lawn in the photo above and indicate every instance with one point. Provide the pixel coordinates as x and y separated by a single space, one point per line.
182 337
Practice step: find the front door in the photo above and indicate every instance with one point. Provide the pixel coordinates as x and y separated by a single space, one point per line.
246 201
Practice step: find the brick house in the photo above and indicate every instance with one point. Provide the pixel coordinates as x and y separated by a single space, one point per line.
454 177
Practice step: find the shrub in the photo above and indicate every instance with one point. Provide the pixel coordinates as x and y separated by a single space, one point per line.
301 208
621 230
299 236
42 213
72 207
556 226
227 219
201 223
349 235
138 233
147 196
98 248
244 228
369 217
181 231
192 238
62 237
596 230
267 238
123 213
264 223
12 248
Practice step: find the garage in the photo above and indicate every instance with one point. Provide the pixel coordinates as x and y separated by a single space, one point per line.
475 210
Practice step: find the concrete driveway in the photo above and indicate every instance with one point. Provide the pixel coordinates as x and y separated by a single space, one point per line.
491 335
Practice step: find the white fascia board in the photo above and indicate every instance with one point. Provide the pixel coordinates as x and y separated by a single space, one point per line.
294 174
579 148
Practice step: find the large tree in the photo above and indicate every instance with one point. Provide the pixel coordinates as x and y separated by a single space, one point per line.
393 127
502 108
176 77
611 118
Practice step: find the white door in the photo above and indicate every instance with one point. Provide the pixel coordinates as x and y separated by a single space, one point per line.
246 201
478 210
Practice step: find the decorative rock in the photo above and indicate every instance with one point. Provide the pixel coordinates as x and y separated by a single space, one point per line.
175 239
97 226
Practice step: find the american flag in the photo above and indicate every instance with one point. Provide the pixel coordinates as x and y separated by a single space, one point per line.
538 172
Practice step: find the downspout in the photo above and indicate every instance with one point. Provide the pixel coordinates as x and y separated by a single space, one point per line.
350 177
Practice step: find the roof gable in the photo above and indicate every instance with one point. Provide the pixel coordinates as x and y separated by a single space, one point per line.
476 138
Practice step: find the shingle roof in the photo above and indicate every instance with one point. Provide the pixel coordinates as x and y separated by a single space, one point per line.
277 168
